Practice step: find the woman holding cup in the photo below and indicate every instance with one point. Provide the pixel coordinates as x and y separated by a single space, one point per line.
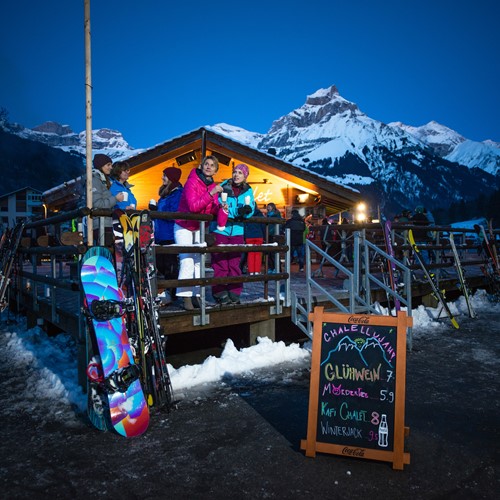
102 197
120 174
238 202
200 196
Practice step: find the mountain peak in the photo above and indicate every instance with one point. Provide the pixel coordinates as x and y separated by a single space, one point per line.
53 128
322 96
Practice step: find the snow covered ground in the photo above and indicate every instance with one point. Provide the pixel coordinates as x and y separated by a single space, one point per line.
45 370
236 431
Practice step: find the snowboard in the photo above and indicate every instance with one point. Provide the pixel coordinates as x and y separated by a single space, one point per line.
464 287
430 278
114 369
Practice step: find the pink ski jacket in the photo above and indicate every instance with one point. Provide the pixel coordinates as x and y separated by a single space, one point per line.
196 199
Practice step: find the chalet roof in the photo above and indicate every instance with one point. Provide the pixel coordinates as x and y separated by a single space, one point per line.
333 195
336 197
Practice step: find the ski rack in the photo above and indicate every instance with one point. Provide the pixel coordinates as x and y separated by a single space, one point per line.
357 285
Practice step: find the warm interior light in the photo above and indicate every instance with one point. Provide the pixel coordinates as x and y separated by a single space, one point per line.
361 207
303 197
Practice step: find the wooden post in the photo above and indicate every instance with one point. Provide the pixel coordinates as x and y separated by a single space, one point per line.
88 119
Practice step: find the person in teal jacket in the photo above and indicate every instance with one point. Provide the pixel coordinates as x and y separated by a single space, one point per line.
120 174
238 201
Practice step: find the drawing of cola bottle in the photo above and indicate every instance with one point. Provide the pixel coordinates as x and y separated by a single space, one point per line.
383 432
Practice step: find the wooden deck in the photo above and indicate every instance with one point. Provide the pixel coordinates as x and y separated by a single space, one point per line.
61 306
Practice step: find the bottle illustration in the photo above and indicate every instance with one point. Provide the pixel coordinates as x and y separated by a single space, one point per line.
383 432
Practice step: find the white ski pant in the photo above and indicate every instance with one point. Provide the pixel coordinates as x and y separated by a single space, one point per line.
189 263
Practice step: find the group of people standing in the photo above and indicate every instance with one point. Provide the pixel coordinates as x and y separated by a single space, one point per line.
230 202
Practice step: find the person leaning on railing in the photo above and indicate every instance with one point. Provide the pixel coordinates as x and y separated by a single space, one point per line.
102 197
200 196
169 193
240 205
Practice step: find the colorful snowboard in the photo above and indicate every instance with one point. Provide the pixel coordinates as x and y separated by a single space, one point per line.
128 410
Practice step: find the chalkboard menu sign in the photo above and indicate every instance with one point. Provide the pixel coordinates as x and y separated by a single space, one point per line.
357 392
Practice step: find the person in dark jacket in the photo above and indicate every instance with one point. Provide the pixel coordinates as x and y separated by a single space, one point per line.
169 197
297 228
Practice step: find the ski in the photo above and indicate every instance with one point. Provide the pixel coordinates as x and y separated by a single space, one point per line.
159 378
391 267
492 255
9 247
464 287
116 394
431 279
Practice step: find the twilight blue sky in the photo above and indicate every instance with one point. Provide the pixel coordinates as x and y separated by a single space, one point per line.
162 68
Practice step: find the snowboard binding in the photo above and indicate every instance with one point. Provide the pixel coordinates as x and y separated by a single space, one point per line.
105 310
121 379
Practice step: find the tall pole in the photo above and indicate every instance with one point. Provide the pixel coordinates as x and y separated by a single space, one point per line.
88 119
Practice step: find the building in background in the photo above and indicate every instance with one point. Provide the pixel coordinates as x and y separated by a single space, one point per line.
25 202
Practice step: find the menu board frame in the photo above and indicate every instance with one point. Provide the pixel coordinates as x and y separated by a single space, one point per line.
389 335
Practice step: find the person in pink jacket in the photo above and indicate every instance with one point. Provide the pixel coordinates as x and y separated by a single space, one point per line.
200 196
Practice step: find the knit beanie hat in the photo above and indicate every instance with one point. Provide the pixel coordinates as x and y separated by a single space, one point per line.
173 174
244 169
100 160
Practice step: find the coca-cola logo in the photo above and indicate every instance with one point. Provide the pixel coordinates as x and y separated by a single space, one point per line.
360 320
353 452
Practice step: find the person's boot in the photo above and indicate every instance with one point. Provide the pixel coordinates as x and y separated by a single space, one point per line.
188 304
196 302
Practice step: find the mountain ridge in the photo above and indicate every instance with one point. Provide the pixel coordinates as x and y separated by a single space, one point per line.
394 165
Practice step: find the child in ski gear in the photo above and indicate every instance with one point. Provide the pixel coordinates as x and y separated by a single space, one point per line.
200 196
103 198
240 206
119 175
169 193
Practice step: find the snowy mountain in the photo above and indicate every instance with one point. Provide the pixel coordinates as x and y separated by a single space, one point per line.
453 147
110 142
442 140
393 165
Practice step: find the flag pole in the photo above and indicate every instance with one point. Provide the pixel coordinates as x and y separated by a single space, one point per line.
88 119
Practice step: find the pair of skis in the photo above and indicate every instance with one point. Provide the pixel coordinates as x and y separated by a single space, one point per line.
9 244
491 269
462 283
432 280
137 279
391 267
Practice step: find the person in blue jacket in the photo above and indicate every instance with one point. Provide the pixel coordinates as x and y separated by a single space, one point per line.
169 196
120 174
240 205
